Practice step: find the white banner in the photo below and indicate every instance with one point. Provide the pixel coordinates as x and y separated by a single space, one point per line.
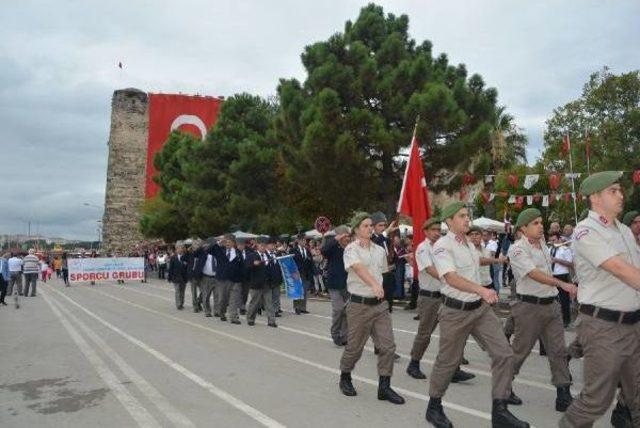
106 269
530 181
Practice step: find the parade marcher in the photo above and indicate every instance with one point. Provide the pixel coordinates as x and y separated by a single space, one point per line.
228 290
275 275
197 259
561 263
31 269
537 313
244 283
162 265
466 310
367 315
256 265
429 302
632 221
5 276
607 264
209 281
64 265
304 261
333 252
15 278
380 237
178 267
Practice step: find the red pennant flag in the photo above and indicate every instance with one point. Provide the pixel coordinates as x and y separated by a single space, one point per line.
636 176
554 180
468 179
537 198
485 197
552 198
513 180
566 144
414 196
587 145
519 201
567 197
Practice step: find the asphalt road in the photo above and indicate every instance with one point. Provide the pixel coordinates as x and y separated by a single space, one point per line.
123 356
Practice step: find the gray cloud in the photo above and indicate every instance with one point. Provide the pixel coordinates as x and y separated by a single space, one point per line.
59 71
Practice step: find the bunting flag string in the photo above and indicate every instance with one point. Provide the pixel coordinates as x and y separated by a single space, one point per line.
519 199
554 178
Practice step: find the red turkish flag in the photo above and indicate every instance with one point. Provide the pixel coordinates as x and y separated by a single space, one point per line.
512 180
566 144
554 180
192 114
636 176
414 196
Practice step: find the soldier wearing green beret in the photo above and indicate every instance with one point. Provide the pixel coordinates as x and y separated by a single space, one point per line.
608 267
429 302
466 310
537 313
367 314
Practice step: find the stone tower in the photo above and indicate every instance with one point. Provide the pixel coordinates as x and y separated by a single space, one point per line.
126 169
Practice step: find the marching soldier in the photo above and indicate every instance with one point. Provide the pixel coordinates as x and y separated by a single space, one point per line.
608 267
196 263
275 275
229 278
537 313
256 264
304 262
429 302
632 221
178 266
466 309
365 263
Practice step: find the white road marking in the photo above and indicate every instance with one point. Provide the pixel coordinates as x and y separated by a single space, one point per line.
223 395
154 396
476 371
142 417
453 406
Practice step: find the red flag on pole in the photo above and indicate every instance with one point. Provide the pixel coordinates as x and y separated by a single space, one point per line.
566 144
414 196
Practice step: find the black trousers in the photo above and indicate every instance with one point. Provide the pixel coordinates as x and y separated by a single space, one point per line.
3 288
565 300
389 286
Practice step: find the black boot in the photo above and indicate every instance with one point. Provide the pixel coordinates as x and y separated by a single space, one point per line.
461 376
386 393
563 398
346 386
621 417
435 414
501 417
513 399
414 371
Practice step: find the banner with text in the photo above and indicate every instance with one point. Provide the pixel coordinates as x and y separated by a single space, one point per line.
292 280
106 269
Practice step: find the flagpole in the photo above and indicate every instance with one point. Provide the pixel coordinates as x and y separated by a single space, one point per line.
588 150
573 183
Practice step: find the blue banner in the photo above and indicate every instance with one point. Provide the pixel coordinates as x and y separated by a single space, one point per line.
291 276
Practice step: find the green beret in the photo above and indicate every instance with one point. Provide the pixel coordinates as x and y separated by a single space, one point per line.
583 215
599 181
629 217
378 217
358 218
433 220
474 229
527 216
450 210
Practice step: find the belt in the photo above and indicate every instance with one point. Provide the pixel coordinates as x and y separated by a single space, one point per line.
365 300
428 293
536 300
208 276
611 315
459 304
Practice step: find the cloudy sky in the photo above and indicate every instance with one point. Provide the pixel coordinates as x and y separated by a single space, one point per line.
58 70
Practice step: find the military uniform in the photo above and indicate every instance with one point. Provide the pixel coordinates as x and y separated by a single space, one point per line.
537 314
607 326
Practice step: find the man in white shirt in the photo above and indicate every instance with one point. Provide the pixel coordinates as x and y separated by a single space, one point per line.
562 261
15 272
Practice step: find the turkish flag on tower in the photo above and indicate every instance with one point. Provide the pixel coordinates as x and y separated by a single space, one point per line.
414 196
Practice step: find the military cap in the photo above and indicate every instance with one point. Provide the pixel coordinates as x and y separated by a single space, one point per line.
450 210
629 217
527 216
378 217
430 222
358 218
599 181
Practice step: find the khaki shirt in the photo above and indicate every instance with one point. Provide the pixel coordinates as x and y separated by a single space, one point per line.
485 271
524 258
373 258
597 240
424 259
452 254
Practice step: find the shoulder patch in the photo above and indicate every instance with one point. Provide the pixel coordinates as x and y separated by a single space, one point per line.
603 220
439 251
517 252
580 233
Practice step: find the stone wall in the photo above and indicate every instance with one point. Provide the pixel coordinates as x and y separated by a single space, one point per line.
126 169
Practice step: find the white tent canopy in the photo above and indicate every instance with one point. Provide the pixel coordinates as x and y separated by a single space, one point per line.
489 224
313 234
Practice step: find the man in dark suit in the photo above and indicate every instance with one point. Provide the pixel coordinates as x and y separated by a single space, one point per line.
275 275
243 246
196 263
256 264
333 251
379 230
229 276
178 266
304 262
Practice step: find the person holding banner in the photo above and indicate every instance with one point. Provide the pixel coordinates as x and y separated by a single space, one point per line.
257 263
466 310
178 267
367 316
304 261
